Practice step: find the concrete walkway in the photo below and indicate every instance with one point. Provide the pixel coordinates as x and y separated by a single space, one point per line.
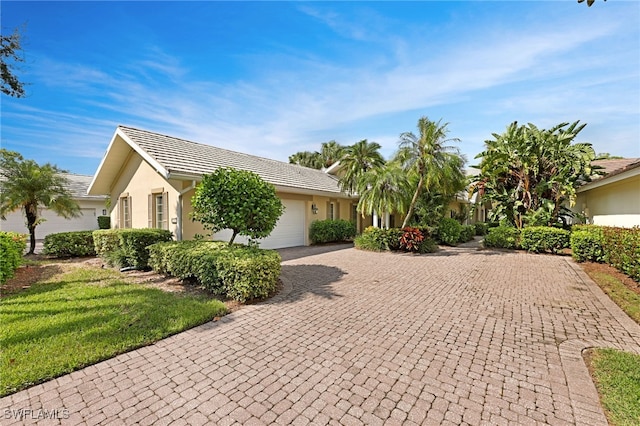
465 336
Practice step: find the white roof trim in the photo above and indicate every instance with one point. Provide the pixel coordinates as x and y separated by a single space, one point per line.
153 163
104 158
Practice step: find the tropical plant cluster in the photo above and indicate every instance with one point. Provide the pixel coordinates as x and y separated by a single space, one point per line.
128 247
418 182
236 271
329 231
529 174
12 246
619 247
408 239
69 244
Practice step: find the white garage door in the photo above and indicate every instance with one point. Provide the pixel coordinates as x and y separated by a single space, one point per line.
53 224
289 231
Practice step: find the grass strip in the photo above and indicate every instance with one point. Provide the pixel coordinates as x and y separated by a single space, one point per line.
617 378
84 316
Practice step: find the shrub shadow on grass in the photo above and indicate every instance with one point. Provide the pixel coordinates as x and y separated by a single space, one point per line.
302 280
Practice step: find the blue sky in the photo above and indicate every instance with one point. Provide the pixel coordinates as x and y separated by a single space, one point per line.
274 78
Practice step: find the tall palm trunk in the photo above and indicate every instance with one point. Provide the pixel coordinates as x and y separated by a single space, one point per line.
414 200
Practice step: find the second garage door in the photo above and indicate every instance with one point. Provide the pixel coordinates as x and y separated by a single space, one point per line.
289 231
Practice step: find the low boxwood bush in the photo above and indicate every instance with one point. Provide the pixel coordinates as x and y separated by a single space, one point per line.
128 247
481 228
69 244
12 246
448 231
238 272
502 237
328 231
586 245
467 232
104 222
540 239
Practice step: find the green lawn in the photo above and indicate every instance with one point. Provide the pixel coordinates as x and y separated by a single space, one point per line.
83 316
617 377
615 373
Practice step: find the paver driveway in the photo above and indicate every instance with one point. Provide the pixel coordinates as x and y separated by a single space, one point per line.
461 337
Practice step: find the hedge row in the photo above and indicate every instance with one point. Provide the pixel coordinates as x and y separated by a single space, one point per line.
327 231
540 239
417 240
238 272
619 247
128 247
12 246
69 244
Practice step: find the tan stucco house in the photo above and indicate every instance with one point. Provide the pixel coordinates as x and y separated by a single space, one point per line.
150 179
91 206
613 199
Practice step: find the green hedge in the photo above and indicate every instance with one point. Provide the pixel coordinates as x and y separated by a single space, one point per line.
104 222
12 246
540 239
622 249
128 247
238 272
69 244
503 237
327 231
619 247
408 239
586 245
448 231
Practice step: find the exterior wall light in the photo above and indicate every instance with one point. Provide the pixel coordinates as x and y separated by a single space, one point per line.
314 209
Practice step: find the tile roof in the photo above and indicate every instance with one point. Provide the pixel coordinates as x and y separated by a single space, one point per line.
179 156
78 185
615 166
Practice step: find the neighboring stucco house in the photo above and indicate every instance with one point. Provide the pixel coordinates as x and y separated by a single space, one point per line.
151 178
91 206
614 199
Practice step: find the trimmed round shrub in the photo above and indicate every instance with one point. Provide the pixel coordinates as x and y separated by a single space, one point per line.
467 232
481 228
449 231
502 237
69 244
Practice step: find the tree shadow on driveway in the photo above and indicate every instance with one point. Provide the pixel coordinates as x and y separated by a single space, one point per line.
302 280
292 253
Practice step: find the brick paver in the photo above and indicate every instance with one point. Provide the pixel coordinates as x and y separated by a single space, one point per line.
461 337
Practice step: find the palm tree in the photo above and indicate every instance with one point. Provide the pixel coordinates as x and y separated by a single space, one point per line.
26 185
358 159
426 156
383 189
330 152
307 159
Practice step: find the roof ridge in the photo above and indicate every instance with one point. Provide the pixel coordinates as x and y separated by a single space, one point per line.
217 147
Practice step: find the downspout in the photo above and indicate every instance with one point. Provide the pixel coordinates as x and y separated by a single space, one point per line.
180 194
